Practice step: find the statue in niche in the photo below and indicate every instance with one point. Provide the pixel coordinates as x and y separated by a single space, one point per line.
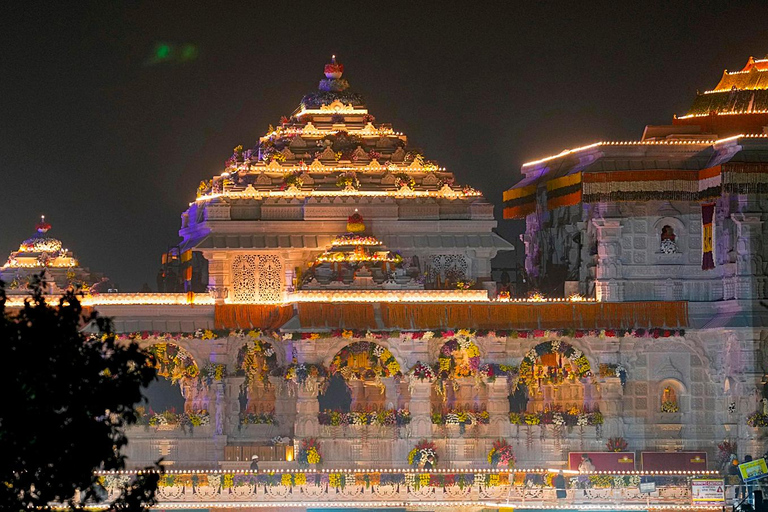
669 400
668 244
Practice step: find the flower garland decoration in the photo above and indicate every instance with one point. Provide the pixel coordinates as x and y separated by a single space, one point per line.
425 452
172 418
482 333
501 455
573 417
725 452
292 180
616 444
533 375
348 181
757 419
459 357
256 358
422 372
404 180
613 370
461 417
382 418
364 359
258 418
299 373
670 406
212 372
366 480
309 452
173 362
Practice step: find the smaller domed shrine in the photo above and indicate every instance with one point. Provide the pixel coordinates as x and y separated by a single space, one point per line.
356 260
43 253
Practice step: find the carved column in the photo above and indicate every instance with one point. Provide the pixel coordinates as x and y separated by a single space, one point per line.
420 407
609 273
750 282
391 387
285 406
307 408
232 419
612 392
498 408
219 277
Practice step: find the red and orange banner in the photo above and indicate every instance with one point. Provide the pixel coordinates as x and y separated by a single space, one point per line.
707 236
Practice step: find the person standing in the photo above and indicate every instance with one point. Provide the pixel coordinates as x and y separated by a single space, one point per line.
254 462
559 482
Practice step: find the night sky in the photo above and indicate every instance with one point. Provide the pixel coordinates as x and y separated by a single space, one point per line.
112 112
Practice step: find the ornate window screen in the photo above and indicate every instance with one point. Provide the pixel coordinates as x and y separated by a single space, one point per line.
270 278
453 267
257 278
244 278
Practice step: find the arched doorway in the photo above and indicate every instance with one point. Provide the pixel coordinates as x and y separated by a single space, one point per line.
256 360
177 393
368 370
556 377
456 387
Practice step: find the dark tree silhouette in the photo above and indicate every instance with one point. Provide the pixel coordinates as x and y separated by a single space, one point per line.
66 399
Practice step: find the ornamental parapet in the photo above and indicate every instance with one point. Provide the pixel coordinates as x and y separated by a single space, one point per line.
479 488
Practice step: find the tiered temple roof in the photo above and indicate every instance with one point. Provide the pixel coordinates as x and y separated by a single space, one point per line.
43 253
738 104
332 145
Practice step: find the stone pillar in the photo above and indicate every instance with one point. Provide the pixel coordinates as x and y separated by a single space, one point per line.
750 283
285 406
498 408
391 387
307 408
609 273
421 409
611 393
220 407
232 407
218 276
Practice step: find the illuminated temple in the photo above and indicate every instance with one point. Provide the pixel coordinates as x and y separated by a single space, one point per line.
352 322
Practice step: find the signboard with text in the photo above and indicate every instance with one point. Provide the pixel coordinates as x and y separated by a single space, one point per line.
673 461
604 461
708 491
753 470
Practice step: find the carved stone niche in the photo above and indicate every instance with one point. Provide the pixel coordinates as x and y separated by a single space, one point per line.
430 179
263 179
383 143
398 155
359 154
327 154
298 143
388 179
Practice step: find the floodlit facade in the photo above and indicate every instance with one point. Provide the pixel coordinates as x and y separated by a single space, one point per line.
351 321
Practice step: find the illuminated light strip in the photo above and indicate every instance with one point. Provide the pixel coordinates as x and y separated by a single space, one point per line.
417 503
740 113
256 194
330 112
389 296
392 167
130 299
623 143
354 296
405 471
383 503
73 263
